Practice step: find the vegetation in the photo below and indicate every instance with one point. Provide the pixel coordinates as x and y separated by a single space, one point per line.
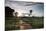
37 22
11 21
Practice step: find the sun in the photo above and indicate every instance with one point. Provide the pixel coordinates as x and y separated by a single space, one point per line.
19 12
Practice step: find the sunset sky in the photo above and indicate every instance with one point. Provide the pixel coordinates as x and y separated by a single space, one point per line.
24 7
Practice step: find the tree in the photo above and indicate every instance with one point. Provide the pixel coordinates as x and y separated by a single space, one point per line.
8 11
30 12
16 14
16 18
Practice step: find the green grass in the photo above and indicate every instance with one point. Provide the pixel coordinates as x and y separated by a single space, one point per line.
37 22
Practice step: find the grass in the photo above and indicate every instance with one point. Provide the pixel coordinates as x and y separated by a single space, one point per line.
37 22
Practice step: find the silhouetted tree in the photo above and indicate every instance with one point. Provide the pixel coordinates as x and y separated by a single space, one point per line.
16 14
30 12
8 11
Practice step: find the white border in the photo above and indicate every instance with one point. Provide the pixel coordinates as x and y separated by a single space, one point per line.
2 15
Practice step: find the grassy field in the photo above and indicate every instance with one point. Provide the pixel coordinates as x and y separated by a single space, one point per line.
37 22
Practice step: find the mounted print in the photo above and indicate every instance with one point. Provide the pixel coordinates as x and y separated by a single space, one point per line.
23 15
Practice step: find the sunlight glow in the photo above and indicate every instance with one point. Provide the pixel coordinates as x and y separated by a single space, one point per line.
19 12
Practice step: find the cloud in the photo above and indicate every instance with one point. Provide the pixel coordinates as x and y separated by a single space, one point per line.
20 6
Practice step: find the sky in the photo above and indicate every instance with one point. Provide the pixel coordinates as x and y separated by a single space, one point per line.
25 7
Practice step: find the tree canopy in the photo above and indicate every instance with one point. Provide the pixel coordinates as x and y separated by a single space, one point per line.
8 11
